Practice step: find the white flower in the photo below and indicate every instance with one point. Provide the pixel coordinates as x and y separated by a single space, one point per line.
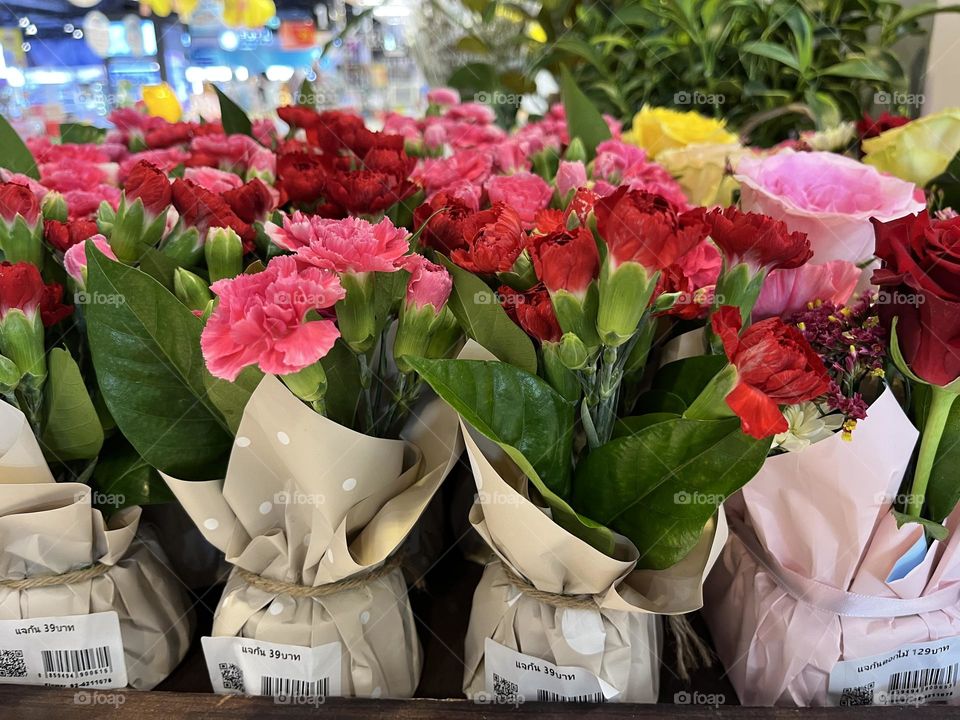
835 139
807 425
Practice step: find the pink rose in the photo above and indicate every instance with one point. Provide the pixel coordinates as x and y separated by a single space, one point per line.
216 181
785 292
443 96
75 258
829 197
570 176
429 284
524 192
261 319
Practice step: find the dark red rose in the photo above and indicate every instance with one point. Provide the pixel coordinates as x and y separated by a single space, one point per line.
64 235
298 116
444 215
150 185
202 209
775 366
167 135
532 311
366 191
640 227
565 260
251 202
494 239
869 127
920 286
755 239
22 287
301 175
16 199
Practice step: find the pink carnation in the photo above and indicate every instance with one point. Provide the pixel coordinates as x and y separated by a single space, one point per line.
350 245
471 166
429 284
525 192
443 96
164 160
473 112
261 319
84 203
73 174
236 152
614 157
75 258
510 157
785 292
216 181
829 197
398 124
570 176
434 136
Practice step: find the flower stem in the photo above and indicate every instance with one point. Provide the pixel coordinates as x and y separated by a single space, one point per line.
941 400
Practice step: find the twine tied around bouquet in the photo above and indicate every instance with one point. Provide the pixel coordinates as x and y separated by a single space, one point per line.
354 582
71 577
557 600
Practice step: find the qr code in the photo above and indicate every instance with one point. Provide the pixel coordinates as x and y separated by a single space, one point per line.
232 677
505 690
859 695
12 664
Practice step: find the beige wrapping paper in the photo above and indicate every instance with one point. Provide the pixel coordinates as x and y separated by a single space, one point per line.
21 460
310 502
52 528
620 640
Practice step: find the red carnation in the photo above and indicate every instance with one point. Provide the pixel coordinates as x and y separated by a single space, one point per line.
16 199
532 311
301 177
151 186
167 135
756 239
202 209
444 215
392 162
565 260
64 235
869 127
494 239
775 366
640 227
298 116
22 287
335 131
251 201
366 191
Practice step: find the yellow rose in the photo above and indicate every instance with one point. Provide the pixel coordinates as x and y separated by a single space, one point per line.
161 101
701 172
917 151
659 129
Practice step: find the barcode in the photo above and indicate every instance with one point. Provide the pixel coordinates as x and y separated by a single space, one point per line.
12 664
76 663
291 687
858 695
549 696
927 679
231 676
505 690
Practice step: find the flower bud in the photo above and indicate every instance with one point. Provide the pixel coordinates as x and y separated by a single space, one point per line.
191 289
522 275
573 353
308 384
557 373
55 207
184 246
356 317
9 375
21 340
576 151
624 294
224 253
21 232
421 332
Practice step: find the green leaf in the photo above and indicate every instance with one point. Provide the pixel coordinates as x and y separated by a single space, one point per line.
933 529
687 378
146 350
159 266
483 318
72 430
772 51
343 384
234 119
16 157
583 119
528 419
230 398
799 23
858 69
122 478
473 45
625 427
661 485
81 133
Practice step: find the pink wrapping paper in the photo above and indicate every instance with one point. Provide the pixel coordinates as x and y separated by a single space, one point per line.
823 513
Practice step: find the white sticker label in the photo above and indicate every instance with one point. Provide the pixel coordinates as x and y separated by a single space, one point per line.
514 678
253 667
910 675
76 651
